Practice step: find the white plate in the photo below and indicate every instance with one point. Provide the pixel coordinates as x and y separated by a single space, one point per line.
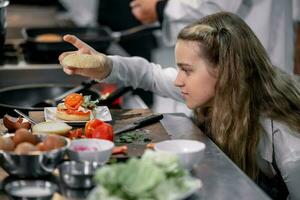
192 191
100 112
94 194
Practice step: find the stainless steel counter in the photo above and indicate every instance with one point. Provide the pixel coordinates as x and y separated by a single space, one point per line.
221 178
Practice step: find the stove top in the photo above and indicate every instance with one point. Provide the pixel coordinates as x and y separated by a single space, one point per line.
15 54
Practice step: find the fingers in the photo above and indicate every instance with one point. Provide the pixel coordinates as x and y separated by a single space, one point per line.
74 70
63 55
75 42
69 70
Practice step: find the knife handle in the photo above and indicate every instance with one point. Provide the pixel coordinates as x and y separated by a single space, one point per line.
149 120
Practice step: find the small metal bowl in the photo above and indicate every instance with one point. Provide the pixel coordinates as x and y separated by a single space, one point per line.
30 189
78 175
70 193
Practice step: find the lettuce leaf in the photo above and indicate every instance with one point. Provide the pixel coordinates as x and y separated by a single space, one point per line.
156 176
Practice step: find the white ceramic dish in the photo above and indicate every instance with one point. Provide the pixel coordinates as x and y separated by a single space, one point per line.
189 152
94 194
100 112
91 150
192 191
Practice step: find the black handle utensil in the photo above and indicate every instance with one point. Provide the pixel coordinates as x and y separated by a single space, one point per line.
151 119
53 102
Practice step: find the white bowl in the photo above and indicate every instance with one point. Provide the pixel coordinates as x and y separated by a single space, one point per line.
189 152
91 150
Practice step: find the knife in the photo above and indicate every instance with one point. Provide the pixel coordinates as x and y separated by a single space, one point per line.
140 123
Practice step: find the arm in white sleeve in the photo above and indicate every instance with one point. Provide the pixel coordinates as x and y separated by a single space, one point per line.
290 173
287 156
139 73
179 13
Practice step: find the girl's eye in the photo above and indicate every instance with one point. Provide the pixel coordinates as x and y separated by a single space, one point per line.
186 71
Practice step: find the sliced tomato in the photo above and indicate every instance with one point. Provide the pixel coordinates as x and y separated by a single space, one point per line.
73 101
120 150
90 126
104 132
99 129
76 133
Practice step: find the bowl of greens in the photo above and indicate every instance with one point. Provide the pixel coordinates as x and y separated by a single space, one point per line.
156 176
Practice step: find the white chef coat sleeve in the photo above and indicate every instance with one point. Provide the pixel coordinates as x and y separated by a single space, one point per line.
139 73
179 13
291 176
287 155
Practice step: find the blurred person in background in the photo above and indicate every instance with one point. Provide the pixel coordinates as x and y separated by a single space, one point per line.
271 20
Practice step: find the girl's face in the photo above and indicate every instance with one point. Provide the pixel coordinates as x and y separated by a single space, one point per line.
196 83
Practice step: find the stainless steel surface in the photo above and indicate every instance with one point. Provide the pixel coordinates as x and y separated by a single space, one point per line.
25 116
33 165
221 178
77 175
35 189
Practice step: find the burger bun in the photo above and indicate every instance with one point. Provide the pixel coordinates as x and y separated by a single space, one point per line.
61 114
83 60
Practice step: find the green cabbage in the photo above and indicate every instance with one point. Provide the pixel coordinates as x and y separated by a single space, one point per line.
156 176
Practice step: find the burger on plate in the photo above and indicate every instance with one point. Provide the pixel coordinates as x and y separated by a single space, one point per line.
76 107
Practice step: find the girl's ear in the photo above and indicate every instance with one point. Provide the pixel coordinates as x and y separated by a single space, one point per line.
214 71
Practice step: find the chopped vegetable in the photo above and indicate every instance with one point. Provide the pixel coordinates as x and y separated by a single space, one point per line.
120 149
88 103
133 136
73 101
85 148
98 129
76 133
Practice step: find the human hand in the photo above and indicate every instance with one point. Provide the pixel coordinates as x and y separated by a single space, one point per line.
97 72
144 10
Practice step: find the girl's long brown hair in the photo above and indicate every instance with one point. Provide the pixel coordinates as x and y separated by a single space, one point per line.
247 88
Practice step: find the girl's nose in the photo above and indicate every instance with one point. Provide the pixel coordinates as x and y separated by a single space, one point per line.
179 81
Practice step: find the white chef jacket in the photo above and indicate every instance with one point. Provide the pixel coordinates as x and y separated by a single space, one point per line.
271 20
139 73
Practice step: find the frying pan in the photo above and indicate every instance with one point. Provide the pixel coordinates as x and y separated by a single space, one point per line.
25 97
99 38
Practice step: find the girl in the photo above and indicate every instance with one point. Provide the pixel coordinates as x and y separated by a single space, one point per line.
250 109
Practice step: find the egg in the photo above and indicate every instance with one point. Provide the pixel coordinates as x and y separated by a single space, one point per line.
40 146
53 142
6 144
25 148
23 135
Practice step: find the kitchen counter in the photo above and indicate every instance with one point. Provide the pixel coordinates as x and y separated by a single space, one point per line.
221 178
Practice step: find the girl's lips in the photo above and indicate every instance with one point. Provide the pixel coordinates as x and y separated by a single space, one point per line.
184 94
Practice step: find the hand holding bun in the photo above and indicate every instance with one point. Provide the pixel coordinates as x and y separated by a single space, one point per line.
85 61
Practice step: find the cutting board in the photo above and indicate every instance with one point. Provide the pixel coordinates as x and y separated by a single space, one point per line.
156 132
